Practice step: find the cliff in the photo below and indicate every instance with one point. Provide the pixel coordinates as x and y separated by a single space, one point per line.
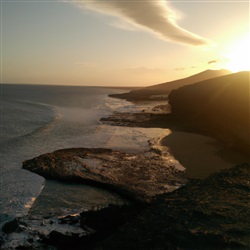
219 106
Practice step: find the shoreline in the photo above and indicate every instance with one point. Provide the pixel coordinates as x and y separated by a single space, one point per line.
201 155
188 147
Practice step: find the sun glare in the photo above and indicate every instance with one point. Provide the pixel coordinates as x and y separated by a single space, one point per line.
238 55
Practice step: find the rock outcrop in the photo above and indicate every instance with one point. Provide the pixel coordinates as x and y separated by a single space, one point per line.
144 120
76 231
205 214
137 176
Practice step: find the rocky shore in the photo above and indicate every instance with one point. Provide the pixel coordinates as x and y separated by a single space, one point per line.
208 214
204 214
165 208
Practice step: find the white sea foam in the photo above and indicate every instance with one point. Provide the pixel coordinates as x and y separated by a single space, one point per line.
42 119
37 120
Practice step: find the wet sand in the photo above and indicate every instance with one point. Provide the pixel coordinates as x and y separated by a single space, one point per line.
201 155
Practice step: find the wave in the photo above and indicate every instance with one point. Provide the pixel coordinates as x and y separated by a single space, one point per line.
22 118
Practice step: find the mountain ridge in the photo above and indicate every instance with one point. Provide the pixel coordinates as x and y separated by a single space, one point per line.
161 91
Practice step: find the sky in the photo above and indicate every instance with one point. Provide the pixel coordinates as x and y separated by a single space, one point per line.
120 43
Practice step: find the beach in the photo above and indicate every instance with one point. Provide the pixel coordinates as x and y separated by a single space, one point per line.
199 153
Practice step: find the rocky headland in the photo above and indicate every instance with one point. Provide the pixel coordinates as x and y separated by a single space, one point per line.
219 107
165 209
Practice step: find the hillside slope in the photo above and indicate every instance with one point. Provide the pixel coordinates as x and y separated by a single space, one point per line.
163 89
220 106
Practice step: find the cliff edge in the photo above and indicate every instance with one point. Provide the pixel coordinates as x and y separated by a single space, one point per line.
219 106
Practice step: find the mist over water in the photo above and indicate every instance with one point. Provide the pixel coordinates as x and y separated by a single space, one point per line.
41 119
37 120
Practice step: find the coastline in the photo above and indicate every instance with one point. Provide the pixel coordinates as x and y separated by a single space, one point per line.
197 150
187 147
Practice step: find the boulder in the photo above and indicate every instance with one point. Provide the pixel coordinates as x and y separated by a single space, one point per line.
10 226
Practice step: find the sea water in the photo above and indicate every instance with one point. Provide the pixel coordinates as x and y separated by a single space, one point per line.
38 119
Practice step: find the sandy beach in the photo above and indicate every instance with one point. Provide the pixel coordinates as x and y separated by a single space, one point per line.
201 155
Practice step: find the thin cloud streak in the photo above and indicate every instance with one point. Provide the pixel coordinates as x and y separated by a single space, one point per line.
155 16
213 61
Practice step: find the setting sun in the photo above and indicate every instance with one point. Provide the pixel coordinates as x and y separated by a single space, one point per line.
238 55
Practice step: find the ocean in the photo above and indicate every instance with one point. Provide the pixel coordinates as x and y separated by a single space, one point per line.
37 119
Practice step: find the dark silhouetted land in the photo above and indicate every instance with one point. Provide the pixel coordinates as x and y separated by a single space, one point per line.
218 106
161 91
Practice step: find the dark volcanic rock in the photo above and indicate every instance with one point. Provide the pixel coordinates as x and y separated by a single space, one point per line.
10 226
207 214
63 241
79 231
138 176
204 214
144 120
109 218
219 106
38 233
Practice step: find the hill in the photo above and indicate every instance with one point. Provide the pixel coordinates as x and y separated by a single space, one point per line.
162 90
220 106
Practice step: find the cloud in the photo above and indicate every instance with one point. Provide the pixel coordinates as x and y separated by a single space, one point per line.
155 16
123 25
213 61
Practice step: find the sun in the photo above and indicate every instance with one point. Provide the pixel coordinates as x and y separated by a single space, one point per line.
238 55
